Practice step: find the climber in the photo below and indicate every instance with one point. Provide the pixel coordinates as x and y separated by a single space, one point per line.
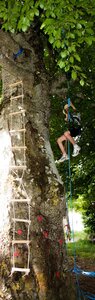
73 130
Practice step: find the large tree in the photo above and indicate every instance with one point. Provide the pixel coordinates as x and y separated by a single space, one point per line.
66 27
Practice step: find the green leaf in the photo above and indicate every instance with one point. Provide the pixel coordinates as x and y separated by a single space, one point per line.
64 53
72 48
71 35
83 75
71 59
36 12
77 57
43 25
77 68
58 43
79 26
89 40
82 82
67 68
31 15
61 64
41 5
51 39
24 28
74 75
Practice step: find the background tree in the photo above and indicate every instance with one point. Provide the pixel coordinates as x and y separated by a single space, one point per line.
82 166
45 41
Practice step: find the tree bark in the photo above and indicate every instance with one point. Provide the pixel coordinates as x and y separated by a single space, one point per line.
49 277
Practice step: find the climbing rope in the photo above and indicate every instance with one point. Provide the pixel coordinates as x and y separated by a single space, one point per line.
71 205
77 270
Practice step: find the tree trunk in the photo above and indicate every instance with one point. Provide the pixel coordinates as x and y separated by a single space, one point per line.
49 277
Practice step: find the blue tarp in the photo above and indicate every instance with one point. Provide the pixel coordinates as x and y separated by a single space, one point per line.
82 272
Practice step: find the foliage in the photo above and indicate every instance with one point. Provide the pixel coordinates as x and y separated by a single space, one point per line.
68 25
82 166
84 249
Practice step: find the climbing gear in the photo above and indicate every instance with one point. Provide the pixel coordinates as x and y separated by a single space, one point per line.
76 118
20 51
76 150
62 159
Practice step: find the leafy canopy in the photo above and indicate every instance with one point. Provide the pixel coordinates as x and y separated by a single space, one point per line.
69 26
82 166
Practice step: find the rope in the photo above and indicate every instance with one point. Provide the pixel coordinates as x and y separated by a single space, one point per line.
74 247
77 270
17 178
87 295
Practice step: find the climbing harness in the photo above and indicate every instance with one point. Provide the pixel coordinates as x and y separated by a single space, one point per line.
21 200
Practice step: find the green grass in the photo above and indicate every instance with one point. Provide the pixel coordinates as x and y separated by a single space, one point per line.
83 247
80 235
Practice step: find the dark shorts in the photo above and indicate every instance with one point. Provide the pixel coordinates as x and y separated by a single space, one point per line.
75 131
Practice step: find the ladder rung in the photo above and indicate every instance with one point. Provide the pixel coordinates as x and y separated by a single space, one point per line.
26 270
21 220
17 112
20 242
21 200
16 83
18 167
17 130
17 97
18 147
17 179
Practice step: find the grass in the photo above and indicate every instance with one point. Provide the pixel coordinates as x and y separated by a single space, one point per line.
83 247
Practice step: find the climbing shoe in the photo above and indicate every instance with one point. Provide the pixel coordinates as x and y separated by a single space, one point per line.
76 150
62 159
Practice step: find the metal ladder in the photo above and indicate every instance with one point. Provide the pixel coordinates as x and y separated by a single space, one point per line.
17 168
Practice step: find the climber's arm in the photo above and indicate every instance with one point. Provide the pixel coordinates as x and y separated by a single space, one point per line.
72 105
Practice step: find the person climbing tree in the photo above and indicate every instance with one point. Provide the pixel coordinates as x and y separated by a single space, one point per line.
74 129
